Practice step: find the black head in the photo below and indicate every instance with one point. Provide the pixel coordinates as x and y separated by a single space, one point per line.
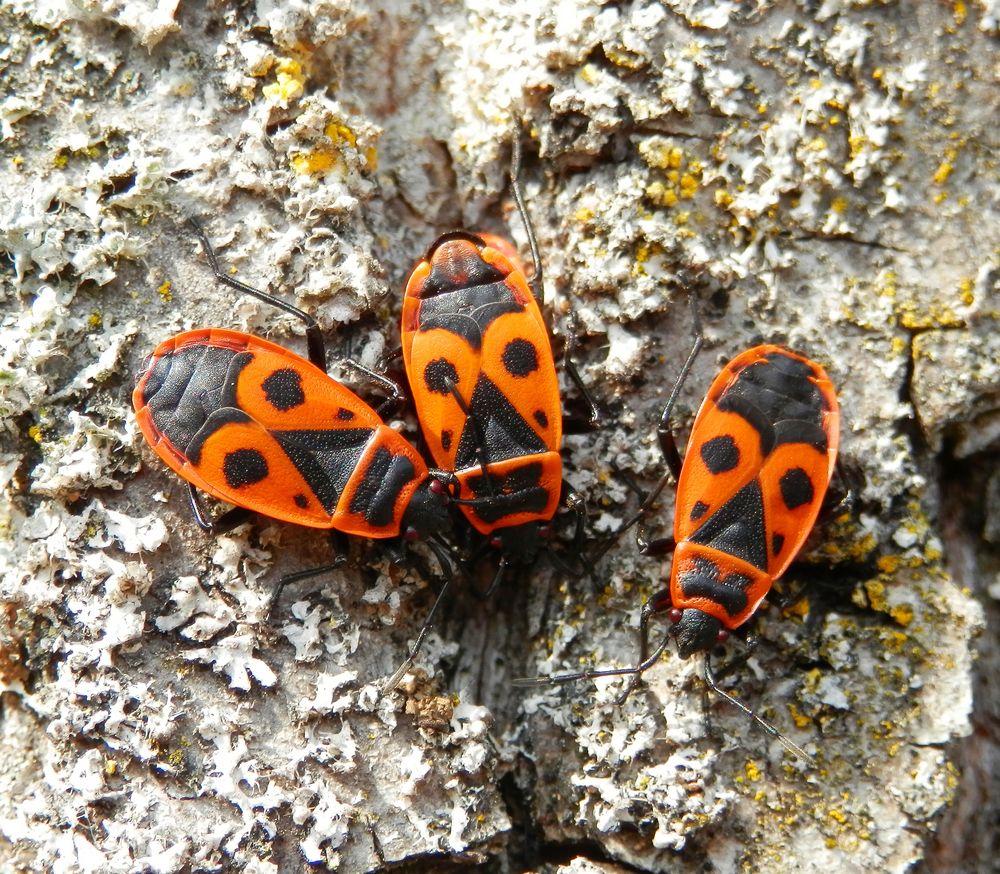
427 513
697 631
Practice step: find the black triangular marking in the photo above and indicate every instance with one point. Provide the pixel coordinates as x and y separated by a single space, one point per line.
737 527
326 458
505 434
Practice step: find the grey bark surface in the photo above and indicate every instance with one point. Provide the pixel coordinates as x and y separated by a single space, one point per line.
822 175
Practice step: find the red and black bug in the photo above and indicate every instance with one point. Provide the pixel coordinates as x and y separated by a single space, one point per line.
757 467
479 362
253 424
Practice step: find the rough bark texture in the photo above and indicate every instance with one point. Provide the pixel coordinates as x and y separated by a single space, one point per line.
819 174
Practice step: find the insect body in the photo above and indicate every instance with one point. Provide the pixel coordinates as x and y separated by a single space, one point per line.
758 464
757 467
480 367
253 424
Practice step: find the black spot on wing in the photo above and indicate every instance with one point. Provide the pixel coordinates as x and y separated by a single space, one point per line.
504 433
384 479
439 376
301 501
344 414
283 389
720 454
325 458
541 418
777 541
244 467
520 357
796 488
737 527
698 510
446 439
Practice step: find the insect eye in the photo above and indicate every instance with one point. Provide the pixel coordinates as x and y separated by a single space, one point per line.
411 534
722 636
545 531
675 614
496 542
437 487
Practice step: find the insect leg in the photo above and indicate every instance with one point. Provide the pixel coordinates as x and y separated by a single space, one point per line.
314 337
226 522
448 573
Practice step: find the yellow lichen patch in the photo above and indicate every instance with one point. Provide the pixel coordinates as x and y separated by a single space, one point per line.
35 433
314 162
894 641
839 205
902 613
876 595
837 815
888 564
753 771
965 288
289 82
798 717
165 292
960 11
95 320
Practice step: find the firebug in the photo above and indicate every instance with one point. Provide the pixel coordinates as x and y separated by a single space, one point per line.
757 467
256 425
479 361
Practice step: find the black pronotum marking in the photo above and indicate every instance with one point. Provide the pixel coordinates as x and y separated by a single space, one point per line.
520 491
505 434
440 375
698 510
283 389
520 358
385 477
705 580
796 488
720 454
244 467
325 458
787 407
737 527
462 293
188 389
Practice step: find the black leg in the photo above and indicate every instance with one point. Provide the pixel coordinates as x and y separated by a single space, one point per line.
226 522
788 744
448 572
339 545
314 337
397 397
535 280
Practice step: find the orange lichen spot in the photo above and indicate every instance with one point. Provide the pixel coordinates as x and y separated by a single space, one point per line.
888 564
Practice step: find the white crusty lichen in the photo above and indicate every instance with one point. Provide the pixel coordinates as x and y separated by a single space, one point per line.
816 177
